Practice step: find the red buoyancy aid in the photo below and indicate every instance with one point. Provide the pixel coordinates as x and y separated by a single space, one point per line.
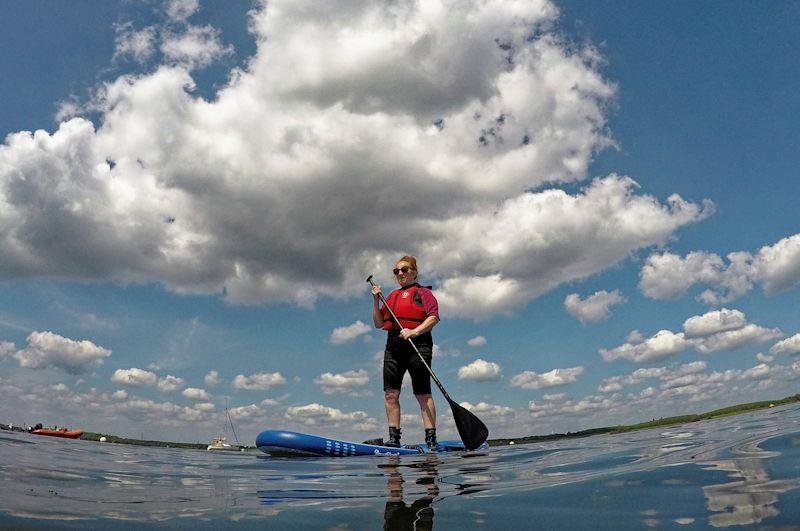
407 306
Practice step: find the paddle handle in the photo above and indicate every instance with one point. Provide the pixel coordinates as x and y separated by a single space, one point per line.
396 320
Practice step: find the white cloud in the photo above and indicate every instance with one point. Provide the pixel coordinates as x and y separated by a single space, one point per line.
711 332
725 330
790 345
477 341
253 411
634 336
206 407
180 43
555 396
259 381
139 45
733 339
668 276
59 388
180 10
194 393
584 406
778 266
488 411
67 109
46 349
595 307
194 47
170 383
6 348
119 394
533 380
315 414
212 378
481 371
346 382
775 268
714 322
134 377
687 368
539 240
670 376
246 412
320 122
763 358
662 345
139 408
617 383
349 333
480 296
759 372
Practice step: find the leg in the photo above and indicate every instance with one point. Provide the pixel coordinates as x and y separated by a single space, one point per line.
394 367
392 399
427 409
421 382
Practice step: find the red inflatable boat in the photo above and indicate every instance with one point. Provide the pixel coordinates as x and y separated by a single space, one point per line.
63 432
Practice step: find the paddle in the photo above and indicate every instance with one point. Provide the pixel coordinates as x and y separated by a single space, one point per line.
472 431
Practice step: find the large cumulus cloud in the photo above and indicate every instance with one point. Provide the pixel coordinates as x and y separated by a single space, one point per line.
47 349
711 332
358 130
774 267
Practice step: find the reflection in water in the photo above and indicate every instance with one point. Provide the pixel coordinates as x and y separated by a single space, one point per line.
751 499
397 514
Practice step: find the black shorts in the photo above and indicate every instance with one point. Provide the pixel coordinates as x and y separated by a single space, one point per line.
400 357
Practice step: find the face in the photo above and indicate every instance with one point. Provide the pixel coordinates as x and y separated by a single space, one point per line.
407 277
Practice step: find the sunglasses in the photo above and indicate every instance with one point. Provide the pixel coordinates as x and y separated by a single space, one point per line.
404 270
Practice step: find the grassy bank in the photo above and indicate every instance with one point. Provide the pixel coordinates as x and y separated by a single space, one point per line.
666 421
90 436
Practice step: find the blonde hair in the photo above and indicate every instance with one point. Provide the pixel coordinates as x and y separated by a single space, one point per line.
411 261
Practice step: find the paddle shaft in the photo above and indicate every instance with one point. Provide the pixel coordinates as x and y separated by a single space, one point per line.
396 320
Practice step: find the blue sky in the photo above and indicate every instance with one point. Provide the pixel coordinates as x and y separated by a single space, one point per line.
605 210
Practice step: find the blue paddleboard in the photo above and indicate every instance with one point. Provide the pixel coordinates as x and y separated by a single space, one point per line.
292 444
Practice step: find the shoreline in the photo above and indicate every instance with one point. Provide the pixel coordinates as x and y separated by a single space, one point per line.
664 421
92 436
504 441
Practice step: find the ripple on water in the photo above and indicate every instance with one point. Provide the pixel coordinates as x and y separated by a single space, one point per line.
726 472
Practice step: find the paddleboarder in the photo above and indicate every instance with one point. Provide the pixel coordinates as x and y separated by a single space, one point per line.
418 312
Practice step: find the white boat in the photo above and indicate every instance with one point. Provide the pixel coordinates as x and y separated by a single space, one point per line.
221 443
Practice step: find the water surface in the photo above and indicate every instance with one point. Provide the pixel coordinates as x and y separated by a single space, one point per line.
733 471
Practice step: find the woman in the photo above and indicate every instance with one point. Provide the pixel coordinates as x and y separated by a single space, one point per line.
418 312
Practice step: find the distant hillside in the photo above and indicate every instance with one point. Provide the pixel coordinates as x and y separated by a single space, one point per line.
90 436
668 421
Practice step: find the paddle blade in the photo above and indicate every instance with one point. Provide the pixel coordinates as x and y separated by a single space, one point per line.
472 431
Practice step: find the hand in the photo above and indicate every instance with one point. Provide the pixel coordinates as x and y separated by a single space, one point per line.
407 333
376 291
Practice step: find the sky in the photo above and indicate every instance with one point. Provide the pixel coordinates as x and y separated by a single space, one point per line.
601 194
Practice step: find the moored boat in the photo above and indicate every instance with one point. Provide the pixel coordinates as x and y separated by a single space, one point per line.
61 432
221 443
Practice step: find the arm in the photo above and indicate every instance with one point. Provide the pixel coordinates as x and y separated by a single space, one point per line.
431 307
424 326
377 316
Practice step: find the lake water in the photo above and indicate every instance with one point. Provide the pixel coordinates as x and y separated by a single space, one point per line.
733 471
